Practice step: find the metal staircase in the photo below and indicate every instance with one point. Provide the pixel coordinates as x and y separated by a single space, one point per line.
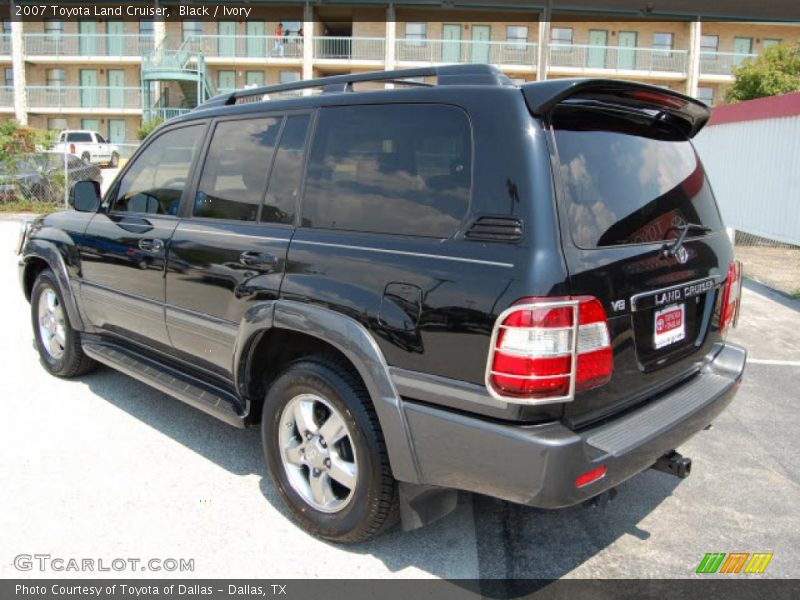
164 70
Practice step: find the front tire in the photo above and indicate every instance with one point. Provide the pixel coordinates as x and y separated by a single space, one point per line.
114 161
59 345
325 451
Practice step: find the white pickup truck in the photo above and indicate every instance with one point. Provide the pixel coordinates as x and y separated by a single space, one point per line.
89 145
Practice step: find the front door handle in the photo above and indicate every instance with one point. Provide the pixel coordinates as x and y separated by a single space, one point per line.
263 261
151 245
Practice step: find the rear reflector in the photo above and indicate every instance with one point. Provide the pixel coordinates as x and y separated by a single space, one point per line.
590 476
546 349
731 297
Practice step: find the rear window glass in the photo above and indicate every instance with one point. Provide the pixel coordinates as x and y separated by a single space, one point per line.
397 169
79 137
628 180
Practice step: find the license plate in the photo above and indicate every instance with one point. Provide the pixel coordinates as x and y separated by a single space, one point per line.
670 326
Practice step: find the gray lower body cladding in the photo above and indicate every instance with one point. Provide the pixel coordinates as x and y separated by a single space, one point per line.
537 465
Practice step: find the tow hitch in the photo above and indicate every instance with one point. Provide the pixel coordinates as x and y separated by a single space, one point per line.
674 464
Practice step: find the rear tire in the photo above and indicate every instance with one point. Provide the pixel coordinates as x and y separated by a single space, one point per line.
340 488
59 345
86 157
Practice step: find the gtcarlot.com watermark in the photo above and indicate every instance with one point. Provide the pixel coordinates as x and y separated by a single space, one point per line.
59 564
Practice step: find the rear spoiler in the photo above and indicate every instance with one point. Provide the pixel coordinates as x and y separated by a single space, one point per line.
689 114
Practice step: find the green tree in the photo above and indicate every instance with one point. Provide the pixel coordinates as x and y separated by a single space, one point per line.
17 141
147 127
776 71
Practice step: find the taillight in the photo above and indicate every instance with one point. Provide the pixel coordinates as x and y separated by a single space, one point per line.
72 148
546 349
731 297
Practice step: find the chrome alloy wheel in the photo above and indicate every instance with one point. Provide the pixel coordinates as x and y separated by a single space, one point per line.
318 453
52 328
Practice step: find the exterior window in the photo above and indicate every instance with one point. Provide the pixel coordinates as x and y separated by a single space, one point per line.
191 29
55 77
289 76
6 26
236 169
517 36
154 182
56 124
662 42
9 76
54 27
706 95
79 136
284 186
561 35
254 78
146 27
396 169
416 33
626 182
709 43
769 42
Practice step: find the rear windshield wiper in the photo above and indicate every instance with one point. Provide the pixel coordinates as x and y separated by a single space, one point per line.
670 250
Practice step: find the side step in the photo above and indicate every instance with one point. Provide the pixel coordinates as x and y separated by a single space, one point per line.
209 399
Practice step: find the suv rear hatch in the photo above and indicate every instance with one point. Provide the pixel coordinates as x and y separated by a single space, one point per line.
628 184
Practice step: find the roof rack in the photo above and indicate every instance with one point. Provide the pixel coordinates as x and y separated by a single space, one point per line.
480 74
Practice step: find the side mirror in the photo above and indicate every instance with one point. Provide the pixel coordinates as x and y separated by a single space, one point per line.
85 196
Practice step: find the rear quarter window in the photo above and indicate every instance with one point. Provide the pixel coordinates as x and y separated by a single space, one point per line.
79 137
396 169
627 179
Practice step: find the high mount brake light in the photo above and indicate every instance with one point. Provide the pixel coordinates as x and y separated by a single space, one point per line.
731 297
546 349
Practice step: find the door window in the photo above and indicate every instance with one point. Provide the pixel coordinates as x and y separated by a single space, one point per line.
287 173
236 169
399 169
154 182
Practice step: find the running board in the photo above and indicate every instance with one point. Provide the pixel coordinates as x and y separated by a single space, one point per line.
187 388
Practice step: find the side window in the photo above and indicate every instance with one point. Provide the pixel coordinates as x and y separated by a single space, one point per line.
155 181
287 173
398 169
100 138
236 168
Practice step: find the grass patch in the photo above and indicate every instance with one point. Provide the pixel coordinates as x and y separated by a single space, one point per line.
796 293
38 207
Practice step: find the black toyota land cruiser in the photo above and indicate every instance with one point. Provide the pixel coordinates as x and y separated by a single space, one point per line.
454 284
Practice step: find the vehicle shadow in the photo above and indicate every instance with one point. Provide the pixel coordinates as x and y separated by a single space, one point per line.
484 538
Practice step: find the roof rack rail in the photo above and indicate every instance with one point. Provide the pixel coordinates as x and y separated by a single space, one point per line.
479 74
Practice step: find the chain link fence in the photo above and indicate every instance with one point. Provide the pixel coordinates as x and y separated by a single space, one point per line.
771 262
40 181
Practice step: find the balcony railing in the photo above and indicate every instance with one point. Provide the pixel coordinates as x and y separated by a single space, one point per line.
89 97
349 48
165 114
99 44
577 56
466 51
6 96
247 46
722 63
5 44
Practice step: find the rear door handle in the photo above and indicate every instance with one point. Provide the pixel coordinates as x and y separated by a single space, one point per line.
263 261
154 245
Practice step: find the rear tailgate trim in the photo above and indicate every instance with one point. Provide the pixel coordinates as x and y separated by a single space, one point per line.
621 435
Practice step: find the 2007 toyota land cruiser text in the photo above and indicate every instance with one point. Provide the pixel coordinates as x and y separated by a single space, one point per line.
455 284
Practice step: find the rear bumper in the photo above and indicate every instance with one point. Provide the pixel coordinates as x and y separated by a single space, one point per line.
537 465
